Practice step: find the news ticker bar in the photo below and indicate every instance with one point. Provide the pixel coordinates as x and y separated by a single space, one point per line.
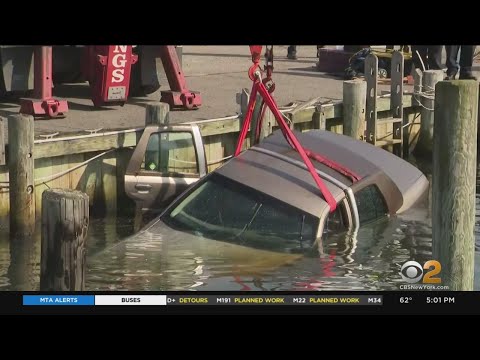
179 300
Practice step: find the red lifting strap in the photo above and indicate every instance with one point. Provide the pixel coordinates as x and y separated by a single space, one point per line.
256 51
259 87
317 157
333 165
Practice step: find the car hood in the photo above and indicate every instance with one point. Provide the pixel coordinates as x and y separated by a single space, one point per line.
203 246
182 260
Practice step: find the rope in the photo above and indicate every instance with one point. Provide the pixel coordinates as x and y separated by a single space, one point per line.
421 60
48 178
44 179
428 94
57 175
213 162
219 160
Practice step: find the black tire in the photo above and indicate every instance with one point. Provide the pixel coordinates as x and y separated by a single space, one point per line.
382 73
350 73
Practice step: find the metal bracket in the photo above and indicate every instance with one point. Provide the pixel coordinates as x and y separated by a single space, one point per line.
49 136
371 76
396 102
93 131
3 121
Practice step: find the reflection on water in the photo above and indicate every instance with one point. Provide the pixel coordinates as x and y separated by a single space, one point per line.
368 260
23 269
20 258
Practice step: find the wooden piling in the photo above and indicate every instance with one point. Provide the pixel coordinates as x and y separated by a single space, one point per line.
417 86
425 137
21 174
454 165
157 114
354 99
243 98
267 122
64 229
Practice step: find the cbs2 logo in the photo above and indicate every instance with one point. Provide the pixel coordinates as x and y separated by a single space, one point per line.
412 272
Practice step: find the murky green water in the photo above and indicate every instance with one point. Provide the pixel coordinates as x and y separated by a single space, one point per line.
371 260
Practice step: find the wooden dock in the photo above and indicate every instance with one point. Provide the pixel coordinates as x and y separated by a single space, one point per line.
96 163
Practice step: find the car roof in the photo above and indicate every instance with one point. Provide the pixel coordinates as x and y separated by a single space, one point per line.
294 185
278 178
335 147
363 158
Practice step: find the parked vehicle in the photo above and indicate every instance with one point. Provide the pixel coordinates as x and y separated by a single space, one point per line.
265 197
356 66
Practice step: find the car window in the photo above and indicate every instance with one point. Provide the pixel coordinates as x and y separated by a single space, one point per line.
275 222
336 221
222 209
170 152
370 204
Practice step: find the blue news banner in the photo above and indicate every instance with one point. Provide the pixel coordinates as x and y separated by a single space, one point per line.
227 299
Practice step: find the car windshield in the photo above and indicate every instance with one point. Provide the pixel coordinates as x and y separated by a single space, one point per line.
222 209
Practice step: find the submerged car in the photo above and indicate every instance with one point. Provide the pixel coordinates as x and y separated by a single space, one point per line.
265 197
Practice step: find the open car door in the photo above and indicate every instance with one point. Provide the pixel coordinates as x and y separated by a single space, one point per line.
166 161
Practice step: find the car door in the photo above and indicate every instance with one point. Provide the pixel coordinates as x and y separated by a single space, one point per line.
166 160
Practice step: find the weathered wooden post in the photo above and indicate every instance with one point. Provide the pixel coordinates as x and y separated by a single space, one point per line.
21 174
425 137
157 114
454 165
267 122
417 86
242 99
64 230
22 201
354 100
